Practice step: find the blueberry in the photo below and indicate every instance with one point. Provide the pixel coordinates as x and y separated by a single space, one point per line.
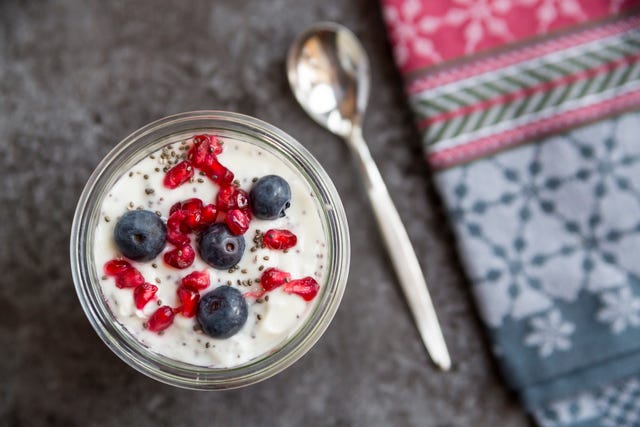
222 312
270 197
219 248
140 235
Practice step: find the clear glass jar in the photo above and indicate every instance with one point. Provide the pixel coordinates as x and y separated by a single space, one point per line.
144 142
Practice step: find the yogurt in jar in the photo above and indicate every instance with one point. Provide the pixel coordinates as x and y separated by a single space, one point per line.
273 316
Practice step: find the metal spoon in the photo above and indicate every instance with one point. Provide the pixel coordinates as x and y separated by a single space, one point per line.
328 71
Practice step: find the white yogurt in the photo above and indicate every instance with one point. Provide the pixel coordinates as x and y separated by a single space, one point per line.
271 321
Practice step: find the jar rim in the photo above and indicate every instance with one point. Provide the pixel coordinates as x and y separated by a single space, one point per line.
163 368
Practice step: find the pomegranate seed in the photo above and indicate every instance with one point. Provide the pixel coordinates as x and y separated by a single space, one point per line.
116 267
161 319
175 208
209 214
231 197
198 280
199 150
218 173
242 199
191 205
215 145
189 299
192 221
238 221
144 293
204 147
280 239
129 278
175 232
272 278
225 199
180 257
179 174
306 287
188 214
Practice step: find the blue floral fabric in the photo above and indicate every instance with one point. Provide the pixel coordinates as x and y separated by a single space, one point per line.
550 236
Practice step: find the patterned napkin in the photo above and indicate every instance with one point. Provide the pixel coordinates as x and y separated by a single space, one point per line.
528 114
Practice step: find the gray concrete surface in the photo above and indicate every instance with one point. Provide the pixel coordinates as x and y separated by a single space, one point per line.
75 78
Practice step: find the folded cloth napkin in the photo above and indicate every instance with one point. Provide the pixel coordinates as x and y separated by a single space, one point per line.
528 111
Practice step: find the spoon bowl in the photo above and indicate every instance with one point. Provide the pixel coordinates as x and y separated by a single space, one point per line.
328 70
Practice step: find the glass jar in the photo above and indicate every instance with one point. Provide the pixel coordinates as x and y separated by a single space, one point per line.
151 138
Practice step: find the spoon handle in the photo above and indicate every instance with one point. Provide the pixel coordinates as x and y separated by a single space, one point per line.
401 253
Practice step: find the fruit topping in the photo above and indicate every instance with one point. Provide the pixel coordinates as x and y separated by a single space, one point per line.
126 275
129 278
204 148
140 235
231 197
116 267
272 278
192 209
161 319
218 173
144 293
180 257
306 287
175 233
178 175
208 215
189 298
270 197
279 239
189 216
237 221
222 312
198 280
220 248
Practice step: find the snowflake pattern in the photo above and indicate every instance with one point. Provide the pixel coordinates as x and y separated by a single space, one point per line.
477 19
548 11
582 188
614 405
549 234
621 309
410 32
550 333
427 32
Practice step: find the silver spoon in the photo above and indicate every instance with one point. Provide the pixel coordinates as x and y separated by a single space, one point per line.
328 71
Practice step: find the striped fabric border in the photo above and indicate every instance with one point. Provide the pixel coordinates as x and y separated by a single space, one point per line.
479 114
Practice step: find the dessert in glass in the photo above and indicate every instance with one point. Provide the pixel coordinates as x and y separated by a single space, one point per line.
209 250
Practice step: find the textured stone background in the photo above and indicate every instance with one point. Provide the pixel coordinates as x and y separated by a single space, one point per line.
75 78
